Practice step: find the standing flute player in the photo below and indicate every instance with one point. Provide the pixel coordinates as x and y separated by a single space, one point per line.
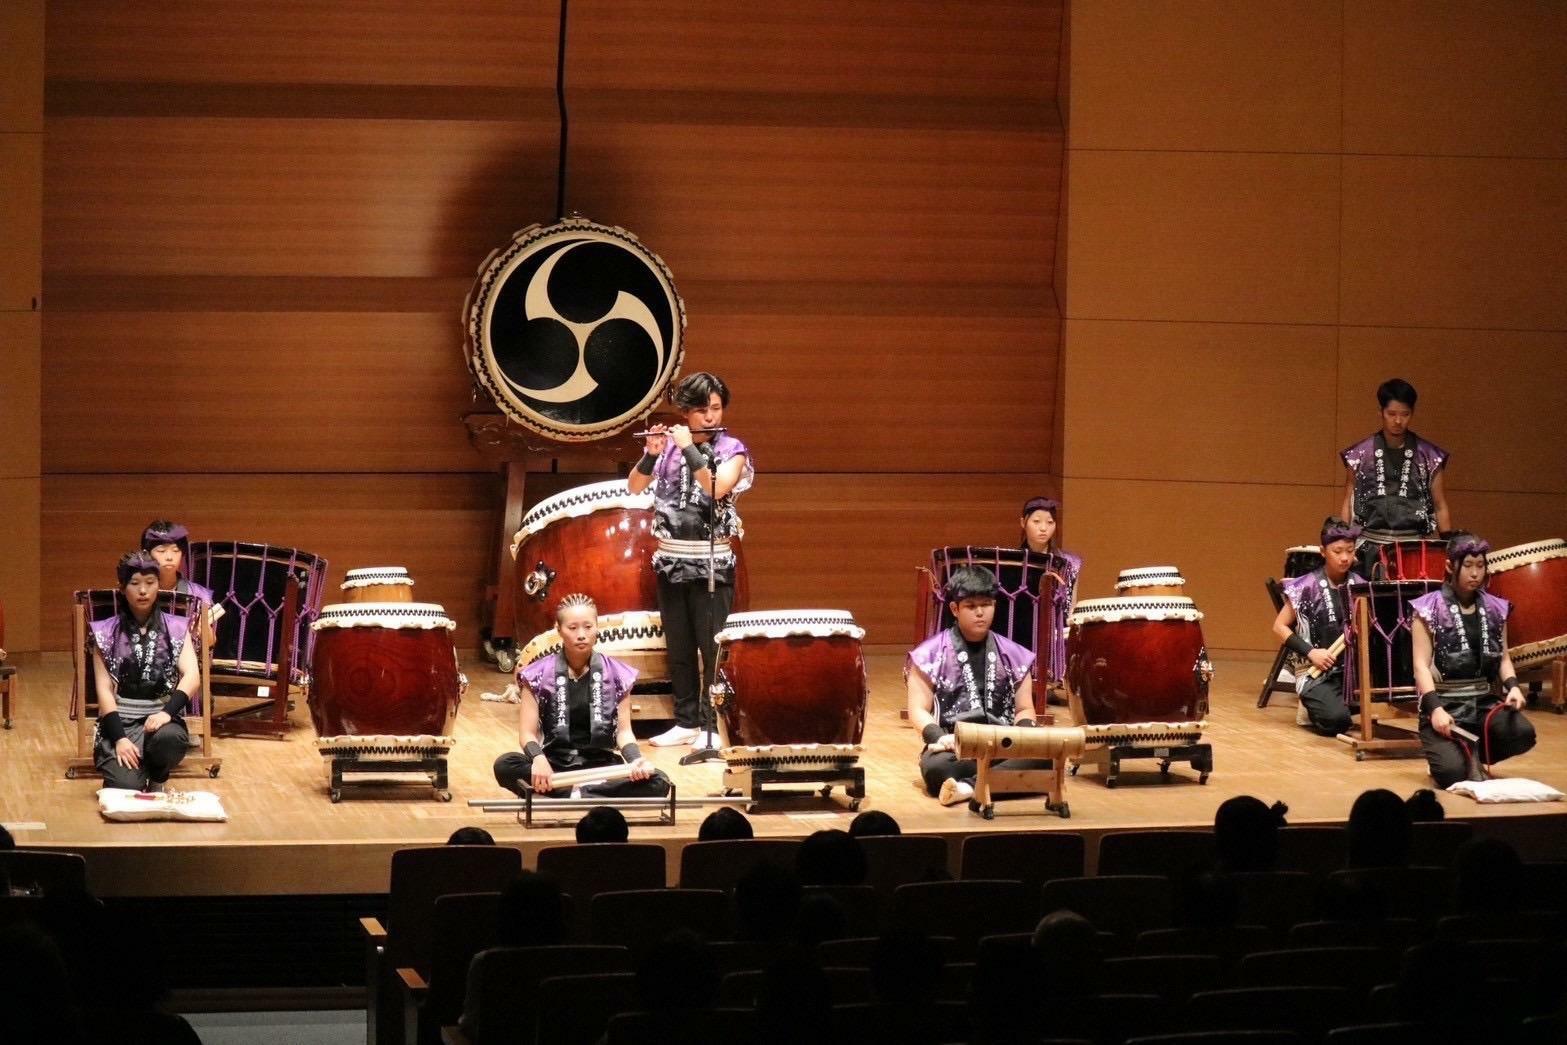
696 476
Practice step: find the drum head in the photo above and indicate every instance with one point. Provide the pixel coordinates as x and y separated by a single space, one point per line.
777 624
1504 559
383 615
579 501
575 329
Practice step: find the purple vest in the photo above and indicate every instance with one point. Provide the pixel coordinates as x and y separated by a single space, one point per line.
1318 618
958 685
1451 652
680 508
1393 484
140 674
546 679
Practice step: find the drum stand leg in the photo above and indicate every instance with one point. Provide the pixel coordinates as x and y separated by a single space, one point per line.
988 782
433 766
851 777
1198 756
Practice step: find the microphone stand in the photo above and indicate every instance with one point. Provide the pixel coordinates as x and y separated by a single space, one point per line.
709 727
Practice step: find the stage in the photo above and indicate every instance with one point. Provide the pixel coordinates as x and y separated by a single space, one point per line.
284 836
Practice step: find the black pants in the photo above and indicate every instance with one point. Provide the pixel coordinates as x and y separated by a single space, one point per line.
513 770
1323 699
691 618
1510 734
939 766
160 753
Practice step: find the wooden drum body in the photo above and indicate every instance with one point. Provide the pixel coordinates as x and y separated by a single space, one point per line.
378 584
596 539
1150 581
384 669
1533 577
790 677
1416 560
1137 659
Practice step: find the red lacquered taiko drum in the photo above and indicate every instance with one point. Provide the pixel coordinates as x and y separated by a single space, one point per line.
597 539
790 677
384 668
1533 577
1416 560
1138 659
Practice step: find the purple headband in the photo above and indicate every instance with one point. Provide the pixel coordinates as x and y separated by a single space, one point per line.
1463 547
133 563
1042 504
153 536
1339 531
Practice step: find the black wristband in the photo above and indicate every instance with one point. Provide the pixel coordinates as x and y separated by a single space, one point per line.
631 752
645 465
1296 644
1508 684
175 706
694 458
932 733
532 750
1429 702
1026 722
111 728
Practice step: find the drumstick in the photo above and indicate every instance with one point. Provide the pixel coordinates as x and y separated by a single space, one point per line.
1335 649
587 777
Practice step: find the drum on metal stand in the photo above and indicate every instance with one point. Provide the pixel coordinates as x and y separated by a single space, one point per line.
1140 660
385 689
790 694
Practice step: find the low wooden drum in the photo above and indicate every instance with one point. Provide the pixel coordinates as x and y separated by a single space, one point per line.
378 584
1137 659
384 668
635 638
1301 560
596 539
1150 580
790 677
1533 577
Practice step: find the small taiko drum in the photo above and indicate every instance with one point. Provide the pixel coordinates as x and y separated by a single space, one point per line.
384 668
1301 560
790 677
1417 559
1137 659
635 638
1533 577
378 584
1150 580
596 539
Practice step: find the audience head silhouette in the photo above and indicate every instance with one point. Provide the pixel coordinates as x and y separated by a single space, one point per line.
603 824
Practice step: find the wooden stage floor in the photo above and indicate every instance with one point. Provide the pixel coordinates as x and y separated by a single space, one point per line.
284 836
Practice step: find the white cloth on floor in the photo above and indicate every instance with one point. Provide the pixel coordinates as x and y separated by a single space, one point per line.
120 804
1510 789
509 695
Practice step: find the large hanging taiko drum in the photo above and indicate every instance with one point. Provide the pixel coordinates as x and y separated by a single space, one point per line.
1533 577
1138 659
791 677
385 668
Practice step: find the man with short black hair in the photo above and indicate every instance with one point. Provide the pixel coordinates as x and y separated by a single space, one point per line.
1393 489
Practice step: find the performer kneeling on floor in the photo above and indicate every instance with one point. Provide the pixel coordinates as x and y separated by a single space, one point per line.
145 674
967 673
1459 639
575 715
1315 616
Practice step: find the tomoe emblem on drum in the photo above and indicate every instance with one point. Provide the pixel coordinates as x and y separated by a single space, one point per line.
575 329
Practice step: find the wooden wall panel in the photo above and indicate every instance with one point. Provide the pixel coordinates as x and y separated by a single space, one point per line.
19 566
1455 79
1491 398
22 85
258 392
19 395
280 197
1154 75
1143 398
883 47
476 43
1203 236
21 226
1444 242
1225 537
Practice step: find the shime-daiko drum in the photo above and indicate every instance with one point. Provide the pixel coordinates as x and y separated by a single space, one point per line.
1138 659
378 584
1533 577
597 539
385 669
1150 580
